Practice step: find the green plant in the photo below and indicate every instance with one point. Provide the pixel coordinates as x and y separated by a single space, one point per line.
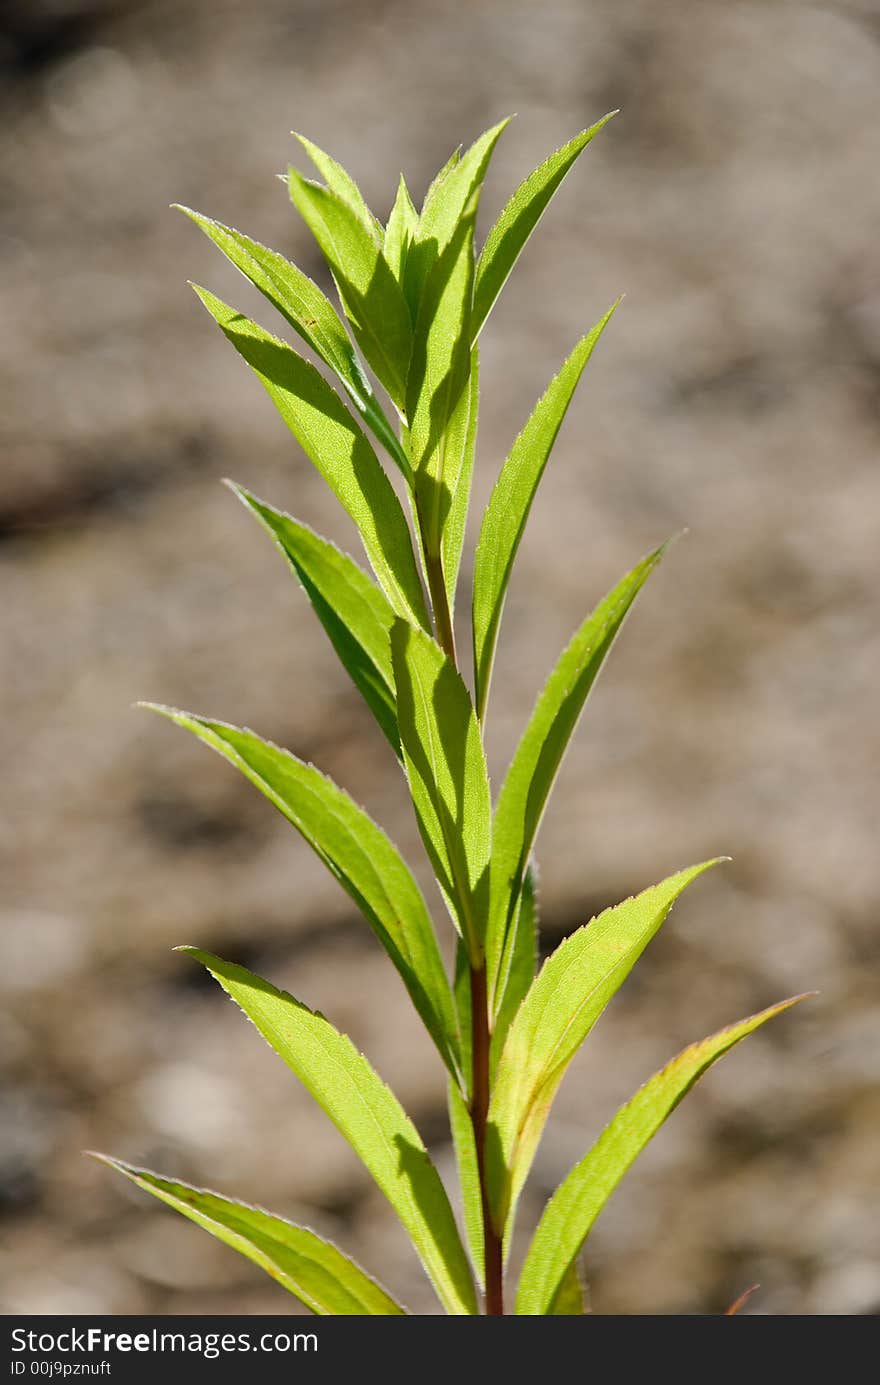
416 299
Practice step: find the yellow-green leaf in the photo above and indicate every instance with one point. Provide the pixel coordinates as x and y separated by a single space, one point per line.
310 314
574 1207
367 1114
448 781
371 296
523 962
305 1264
399 231
357 852
438 396
340 181
569 1300
563 1003
448 197
338 449
518 220
509 505
463 1141
461 451
351 608
539 754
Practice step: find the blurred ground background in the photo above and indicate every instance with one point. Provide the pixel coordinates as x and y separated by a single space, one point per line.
736 202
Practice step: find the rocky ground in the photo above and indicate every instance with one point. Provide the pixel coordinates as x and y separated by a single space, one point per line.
736 202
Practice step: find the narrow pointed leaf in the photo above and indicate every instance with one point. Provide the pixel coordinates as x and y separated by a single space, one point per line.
508 510
539 754
351 608
308 1266
566 998
448 197
338 449
399 231
518 220
569 1300
358 854
469 1179
461 990
438 396
520 971
443 173
371 296
446 768
341 183
574 1207
461 451
367 1114
310 314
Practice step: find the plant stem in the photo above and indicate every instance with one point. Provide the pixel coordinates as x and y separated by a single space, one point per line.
493 1248
480 1040
440 604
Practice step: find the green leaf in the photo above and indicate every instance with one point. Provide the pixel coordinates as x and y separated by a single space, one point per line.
437 390
508 510
448 781
565 1000
351 608
360 856
399 231
569 1301
518 220
310 1268
469 1179
448 197
461 990
341 183
339 450
371 296
310 314
539 754
576 1204
367 1114
443 173
523 962
461 449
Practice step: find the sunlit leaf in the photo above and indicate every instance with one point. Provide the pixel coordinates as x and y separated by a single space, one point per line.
539 754
310 314
367 1114
448 197
341 182
519 218
399 231
468 1178
461 451
309 1267
358 854
566 998
371 296
508 510
446 768
351 608
438 396
576 1204
339 450
569 1301
518 968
